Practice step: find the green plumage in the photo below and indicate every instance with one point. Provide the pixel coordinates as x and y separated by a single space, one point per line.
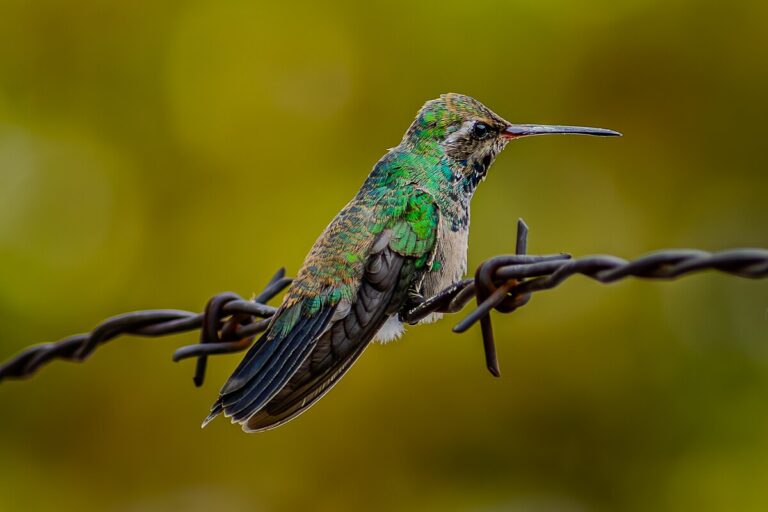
407 191
336 263
361 270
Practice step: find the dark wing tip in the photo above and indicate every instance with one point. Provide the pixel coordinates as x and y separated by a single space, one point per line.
267 367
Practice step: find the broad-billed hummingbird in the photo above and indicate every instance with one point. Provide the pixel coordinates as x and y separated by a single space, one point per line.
403 235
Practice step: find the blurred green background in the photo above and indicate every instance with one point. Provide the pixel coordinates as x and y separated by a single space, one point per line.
155 153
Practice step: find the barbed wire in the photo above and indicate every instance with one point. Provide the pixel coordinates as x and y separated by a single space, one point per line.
227 325
505 283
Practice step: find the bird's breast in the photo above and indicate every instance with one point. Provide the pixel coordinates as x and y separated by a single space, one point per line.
450 263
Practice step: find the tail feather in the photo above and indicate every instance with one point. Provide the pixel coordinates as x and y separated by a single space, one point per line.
270 363
274 375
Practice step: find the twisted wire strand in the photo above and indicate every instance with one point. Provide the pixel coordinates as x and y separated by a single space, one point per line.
230 323
661 265
504 283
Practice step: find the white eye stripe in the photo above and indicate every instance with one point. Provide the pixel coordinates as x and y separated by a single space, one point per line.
460 133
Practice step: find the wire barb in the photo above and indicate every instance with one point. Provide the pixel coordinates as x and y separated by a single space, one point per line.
503 283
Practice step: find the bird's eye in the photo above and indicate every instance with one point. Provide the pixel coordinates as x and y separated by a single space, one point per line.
481 130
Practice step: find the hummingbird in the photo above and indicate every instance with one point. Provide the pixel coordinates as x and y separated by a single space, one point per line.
403 236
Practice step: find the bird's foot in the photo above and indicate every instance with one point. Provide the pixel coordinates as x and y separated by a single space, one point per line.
450 300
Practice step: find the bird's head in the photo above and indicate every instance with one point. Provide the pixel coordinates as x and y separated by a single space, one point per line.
470 135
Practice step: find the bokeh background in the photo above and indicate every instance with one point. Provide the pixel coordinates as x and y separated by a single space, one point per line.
155 153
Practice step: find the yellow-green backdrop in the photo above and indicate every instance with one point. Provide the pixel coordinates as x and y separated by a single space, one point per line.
155 153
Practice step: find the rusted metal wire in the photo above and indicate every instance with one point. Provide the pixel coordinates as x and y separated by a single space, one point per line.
503 283
227 325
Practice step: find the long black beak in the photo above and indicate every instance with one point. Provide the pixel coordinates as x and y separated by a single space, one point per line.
515 131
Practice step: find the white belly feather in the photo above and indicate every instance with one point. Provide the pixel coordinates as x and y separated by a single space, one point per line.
390 331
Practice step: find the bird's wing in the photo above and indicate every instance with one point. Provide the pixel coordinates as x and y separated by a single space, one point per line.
342 344
401 254
291 367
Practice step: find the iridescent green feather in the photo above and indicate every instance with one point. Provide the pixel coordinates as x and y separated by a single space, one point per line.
335 266
389 199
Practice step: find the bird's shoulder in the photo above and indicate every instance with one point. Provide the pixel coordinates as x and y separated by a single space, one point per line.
405 219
